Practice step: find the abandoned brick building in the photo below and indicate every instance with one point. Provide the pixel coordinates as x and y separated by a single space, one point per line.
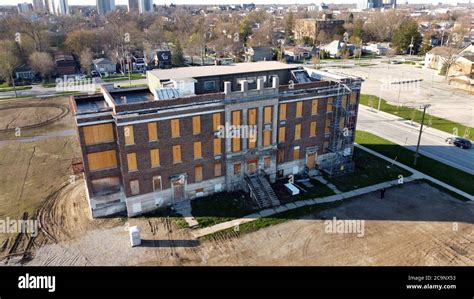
146 148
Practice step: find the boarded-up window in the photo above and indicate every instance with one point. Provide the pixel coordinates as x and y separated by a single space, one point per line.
157 183
281 134
281 155
267 115
328 126
155 157
129 136
102 160
236 118
237 168
135 187
282 111
266 162
216 121
217 146
314 107
312 129
267 136
296 153
197 150
353 98
175 128
329 105
98 134
252 116
217 169
236 140
298 132
342 122
105 186
299 109
132 162
152 131
198 173
176 153
196 125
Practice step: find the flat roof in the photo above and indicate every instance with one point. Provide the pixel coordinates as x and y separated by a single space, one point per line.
219 70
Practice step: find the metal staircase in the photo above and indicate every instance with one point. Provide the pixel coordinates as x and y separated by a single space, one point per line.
261 191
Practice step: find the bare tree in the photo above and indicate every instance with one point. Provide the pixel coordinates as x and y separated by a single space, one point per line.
8 60
86 60
42 63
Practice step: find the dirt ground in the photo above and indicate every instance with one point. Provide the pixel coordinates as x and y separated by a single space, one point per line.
415 224
35 164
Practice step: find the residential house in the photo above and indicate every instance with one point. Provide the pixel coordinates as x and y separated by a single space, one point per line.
65 64
299 53
263 53
436 58
374 48
335 48
312 27
104 65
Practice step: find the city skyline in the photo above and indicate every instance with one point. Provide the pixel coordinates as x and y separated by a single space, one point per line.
212 2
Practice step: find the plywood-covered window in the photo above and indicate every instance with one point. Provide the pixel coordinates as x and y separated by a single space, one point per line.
152 131
329 105
314 107
155 157
197 150
299 109
296 153
237 168
252 116
198 173
281 134
266 162
98 134
176 153
342 122
196 125
267 115
216 121
282 111
328 126
217 169
129 135
132 162
267 137
102 160
281 155
236 146
175 128
297 131
217 146
312 129
353 98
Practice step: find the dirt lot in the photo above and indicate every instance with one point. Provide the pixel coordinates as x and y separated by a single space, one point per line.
34 164
415 224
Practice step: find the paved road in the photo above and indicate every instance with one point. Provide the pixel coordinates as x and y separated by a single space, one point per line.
401 132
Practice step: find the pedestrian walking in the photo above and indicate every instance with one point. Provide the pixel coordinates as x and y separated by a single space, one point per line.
382 193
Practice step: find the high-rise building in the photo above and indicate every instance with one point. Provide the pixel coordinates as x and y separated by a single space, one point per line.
133 5
105 6
38 5
24 7
368 4
145 6
58 7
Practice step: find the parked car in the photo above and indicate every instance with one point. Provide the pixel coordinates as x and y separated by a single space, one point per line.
459 142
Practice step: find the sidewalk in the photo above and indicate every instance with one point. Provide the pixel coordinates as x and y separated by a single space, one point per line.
341 196
290 206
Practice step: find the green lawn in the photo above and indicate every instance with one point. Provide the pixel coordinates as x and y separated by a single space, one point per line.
263 222
369 170
221 207
431 167
319 190
175 217
7 89
409 113
133 76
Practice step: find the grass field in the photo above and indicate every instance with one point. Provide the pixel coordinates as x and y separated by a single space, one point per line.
431 167
408 113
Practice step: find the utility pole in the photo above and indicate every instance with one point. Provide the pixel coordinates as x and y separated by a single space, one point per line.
419 135
13 83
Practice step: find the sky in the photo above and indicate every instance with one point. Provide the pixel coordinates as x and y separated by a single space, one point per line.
207 2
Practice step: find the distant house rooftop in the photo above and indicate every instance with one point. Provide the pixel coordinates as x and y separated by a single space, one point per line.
219 70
